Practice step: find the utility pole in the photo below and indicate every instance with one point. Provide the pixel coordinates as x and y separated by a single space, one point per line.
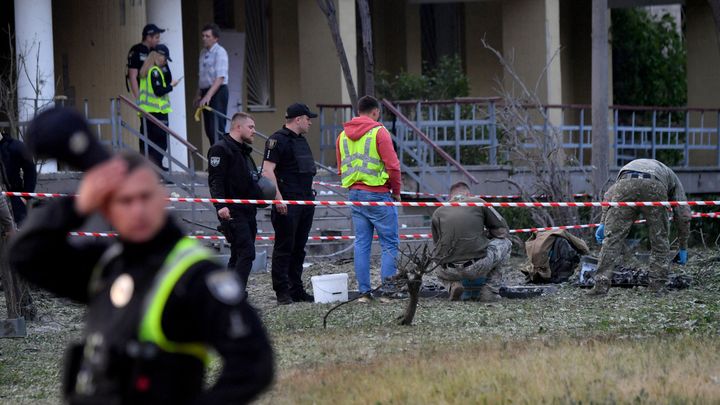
600 89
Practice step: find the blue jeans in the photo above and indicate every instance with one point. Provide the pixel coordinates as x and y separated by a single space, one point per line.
384 220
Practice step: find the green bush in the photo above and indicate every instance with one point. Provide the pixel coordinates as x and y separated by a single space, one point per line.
445 81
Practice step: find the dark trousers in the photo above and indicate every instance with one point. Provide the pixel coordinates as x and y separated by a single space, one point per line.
19 210
291 234
242 230
214 124
157 136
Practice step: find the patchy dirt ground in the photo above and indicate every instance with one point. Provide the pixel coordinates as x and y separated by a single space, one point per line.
360 334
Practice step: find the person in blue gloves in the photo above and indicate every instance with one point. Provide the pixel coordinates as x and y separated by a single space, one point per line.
642 180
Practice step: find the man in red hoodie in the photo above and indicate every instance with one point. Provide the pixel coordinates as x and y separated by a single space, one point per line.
369 167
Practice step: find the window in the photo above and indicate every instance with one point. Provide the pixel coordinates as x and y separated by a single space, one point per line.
257 53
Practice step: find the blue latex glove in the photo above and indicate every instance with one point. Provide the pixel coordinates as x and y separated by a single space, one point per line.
682 257
600 233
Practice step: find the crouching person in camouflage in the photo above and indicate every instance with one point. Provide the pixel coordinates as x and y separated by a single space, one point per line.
642 180
471 245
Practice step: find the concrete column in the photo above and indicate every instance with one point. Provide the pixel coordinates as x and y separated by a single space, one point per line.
321 78
167 14
533 46
600 84
35 59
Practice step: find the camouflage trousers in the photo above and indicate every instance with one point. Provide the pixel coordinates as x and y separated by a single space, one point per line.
619 220
498 251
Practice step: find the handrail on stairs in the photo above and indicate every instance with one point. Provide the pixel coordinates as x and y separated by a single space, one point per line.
192 148
429 141
265 137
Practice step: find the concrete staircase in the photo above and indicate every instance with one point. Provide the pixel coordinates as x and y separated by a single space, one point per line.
201 219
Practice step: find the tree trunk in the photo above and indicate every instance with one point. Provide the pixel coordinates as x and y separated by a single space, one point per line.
328 8
600 140
368 58
413 284
17 294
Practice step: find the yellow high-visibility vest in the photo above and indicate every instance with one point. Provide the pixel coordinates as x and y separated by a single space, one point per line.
186 253
360 160
147 100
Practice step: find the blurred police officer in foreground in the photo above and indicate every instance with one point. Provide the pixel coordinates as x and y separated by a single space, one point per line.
289 164
232 173
642 180
157 301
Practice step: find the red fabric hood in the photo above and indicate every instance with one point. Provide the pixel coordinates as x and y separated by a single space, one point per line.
358 126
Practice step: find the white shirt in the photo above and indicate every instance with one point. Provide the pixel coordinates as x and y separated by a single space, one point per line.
213 64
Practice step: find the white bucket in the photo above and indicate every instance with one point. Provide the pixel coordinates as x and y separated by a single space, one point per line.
330 287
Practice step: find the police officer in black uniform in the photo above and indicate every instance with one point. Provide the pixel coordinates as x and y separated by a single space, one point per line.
137 55
232 173
20 173
157 301
289 164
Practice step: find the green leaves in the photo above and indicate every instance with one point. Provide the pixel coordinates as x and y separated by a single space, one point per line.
649 59
445 81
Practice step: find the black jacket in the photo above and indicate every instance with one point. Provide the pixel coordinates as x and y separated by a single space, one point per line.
232 173
19 165
194 312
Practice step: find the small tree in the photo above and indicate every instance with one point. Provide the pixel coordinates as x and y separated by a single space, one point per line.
546 161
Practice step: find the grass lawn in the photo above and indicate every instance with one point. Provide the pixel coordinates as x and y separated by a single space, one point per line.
628 347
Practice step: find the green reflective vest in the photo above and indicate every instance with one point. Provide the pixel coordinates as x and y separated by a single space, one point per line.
360 160
184 255
148 101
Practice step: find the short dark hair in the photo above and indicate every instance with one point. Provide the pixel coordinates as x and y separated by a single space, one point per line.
135 161
460 185
241 116
212 27
366 104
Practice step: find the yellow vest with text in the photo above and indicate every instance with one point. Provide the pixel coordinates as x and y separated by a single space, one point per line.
360 160
147 100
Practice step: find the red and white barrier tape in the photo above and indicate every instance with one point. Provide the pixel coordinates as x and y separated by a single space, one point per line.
402 236
33 195
419 194
534 204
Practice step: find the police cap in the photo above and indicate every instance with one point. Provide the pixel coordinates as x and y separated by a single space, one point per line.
163 50
298 110
62 133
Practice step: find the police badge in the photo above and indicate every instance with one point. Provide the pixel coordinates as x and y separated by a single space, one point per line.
214 161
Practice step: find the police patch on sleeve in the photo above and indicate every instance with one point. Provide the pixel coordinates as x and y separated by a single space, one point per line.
271 143
214 161
225 286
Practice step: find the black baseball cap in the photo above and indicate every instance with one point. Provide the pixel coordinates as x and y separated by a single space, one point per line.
152 29
298 110
163 50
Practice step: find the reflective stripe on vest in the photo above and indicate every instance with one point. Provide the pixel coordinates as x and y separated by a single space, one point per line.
360 160
184 255
147 99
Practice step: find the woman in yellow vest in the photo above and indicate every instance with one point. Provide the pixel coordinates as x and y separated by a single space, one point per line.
154 99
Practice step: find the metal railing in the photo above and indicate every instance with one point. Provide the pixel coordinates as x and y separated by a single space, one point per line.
468 130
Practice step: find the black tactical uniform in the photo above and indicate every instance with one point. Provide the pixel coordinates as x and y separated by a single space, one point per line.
135 59
232 173
20 173
148 325
294 171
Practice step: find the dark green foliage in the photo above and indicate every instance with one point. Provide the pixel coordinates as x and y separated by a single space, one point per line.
446 81
649 59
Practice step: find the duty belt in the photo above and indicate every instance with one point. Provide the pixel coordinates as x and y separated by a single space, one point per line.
635 175
461 265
